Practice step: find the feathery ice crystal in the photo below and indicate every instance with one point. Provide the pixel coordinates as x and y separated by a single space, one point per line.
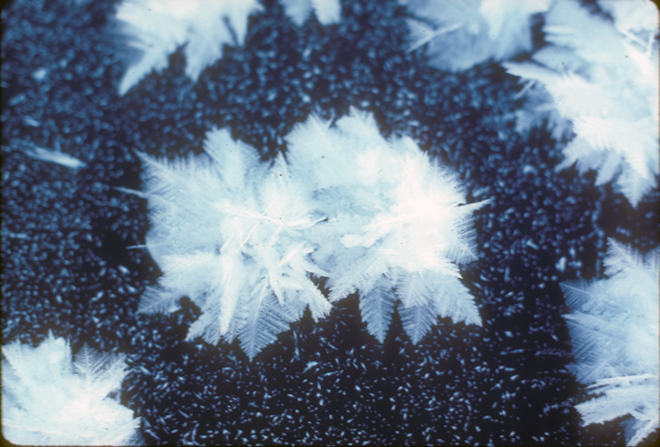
605 88
460 34
243 240
327 12
397 223
47 400
614 327
231 234
157 28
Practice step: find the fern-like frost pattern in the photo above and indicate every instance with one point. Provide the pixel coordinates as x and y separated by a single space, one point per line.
49 400
394 219
245 241
602 92
230 234
459 34
157 28
614 328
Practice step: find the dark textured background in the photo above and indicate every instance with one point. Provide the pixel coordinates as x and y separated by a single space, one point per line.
68 265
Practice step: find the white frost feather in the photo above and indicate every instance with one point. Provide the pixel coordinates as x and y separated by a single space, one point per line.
614 327
47 400
242 240
52 156
606 87
393 216
230 234
156 28
459 34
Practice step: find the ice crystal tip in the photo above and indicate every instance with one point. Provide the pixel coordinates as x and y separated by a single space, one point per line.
327 12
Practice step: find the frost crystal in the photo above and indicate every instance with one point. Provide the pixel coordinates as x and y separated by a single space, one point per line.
231 234
327 12
605 87
397 224
52 156
614 327
157 28
47 400
242 240
459 34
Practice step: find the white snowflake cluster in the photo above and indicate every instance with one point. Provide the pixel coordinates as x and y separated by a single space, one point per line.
48 400
242 240
459 34
157 28
615 332
598 79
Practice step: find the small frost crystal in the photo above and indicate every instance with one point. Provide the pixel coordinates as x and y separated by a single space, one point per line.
231 234
327 12
614 327
397 225
54 156
243 240
47 400
601 76
158 27
459 34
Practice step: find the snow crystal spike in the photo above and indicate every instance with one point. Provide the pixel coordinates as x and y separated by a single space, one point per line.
53 156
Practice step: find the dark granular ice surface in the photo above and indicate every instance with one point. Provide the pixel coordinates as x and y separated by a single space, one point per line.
70 264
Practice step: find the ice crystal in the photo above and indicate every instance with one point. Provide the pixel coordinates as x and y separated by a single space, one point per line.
243 240
397 227
47 400
459 34
606 87
157 28
614 327
229 233
327 12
